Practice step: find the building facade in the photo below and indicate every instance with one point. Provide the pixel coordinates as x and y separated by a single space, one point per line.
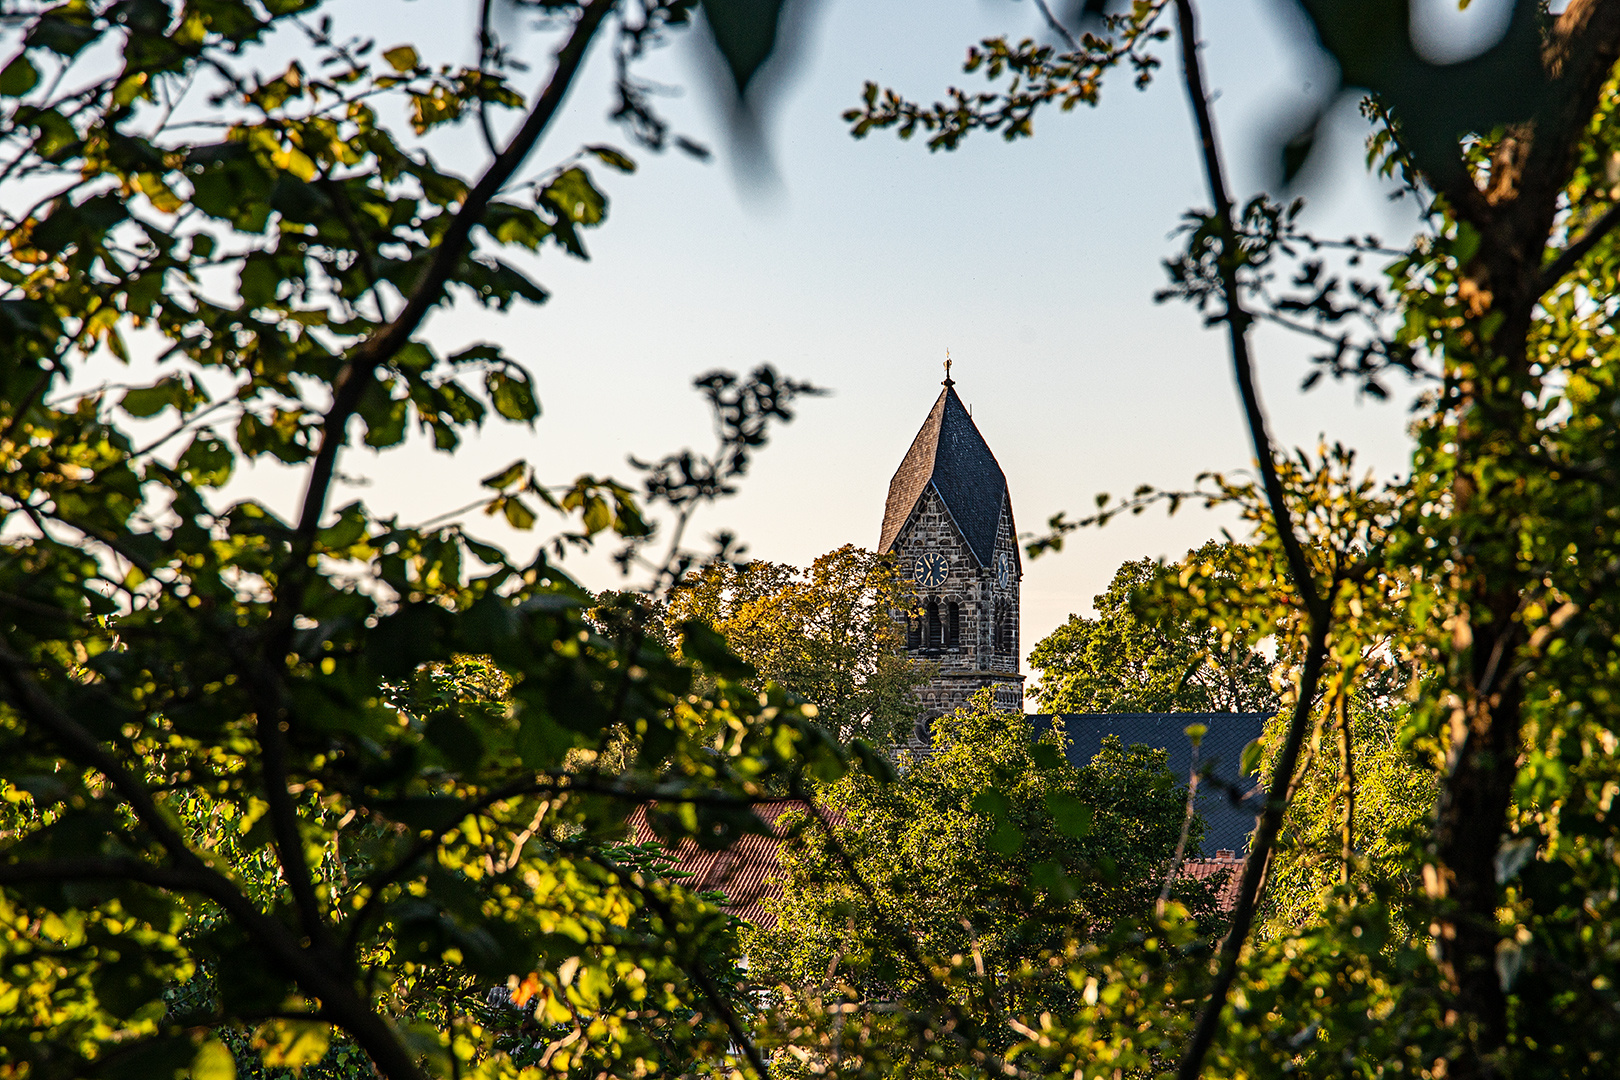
948 521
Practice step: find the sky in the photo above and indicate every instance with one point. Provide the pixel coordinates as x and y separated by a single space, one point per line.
862 262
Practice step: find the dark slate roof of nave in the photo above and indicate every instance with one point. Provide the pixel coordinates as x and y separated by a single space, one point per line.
1227 825
950 454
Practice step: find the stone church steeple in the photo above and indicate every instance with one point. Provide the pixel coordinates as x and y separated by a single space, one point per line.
949 523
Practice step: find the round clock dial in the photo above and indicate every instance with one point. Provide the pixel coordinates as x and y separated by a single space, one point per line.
1004 569
929 570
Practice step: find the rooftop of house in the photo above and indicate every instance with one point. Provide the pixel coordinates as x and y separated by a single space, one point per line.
747 871
1227 799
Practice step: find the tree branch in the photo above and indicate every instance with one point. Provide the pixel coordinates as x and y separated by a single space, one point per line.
1317 606
425 294
273 940
700 975
351 385
1237 319
102 869
1254 867
1571 256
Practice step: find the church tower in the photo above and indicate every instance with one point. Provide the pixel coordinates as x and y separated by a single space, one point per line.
949 523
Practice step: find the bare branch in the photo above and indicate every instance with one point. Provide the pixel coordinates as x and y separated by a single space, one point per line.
1056 26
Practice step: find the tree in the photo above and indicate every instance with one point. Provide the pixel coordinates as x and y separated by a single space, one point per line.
1489 567
1393 799
1140 655
961 891
219 815
826 633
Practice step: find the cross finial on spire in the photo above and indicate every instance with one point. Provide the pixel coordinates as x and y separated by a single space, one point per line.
948 380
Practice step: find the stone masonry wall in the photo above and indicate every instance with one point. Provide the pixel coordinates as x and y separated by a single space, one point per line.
986 653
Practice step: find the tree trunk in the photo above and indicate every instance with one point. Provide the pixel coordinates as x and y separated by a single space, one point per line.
1514 214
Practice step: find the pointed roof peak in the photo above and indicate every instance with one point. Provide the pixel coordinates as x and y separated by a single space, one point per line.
950 455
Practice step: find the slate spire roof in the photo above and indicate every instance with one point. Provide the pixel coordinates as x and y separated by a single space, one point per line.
950 454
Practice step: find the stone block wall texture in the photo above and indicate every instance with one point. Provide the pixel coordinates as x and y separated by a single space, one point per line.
987 648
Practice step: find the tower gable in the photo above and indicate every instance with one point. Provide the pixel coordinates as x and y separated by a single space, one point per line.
949 454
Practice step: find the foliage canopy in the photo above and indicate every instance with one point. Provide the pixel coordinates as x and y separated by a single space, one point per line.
1141 654
231 805
826 632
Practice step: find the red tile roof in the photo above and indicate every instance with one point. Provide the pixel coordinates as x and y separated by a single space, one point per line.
1203 869
746 871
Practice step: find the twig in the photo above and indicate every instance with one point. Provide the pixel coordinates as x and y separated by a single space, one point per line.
1057 27
960 1021
1567 259
350 386
1186 828
700 975
1317 607
377 350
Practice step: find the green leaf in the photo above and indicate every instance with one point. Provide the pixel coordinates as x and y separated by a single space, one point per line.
402 58
86 223
1251 759
1046 756
513 398
872 762
1466 245
1006 840
1072 815
541 744
510 224
292 1044
574 196
456 739
701 642
384 415
148 401
613 158
424 813
1195 733
349 528
745 33
19 77
62 33
207 461
507 476
1051 876
213 1062
518 514
125 985
990 801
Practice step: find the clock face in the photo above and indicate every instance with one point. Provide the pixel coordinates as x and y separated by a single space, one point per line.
929 570
1004 570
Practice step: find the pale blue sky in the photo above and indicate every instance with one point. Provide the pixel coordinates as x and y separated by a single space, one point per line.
1035 263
